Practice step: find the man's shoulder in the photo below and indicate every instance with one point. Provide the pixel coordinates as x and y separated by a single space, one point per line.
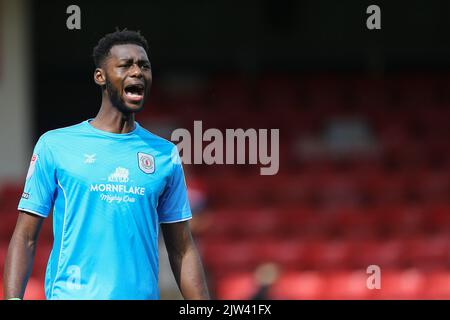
62 133
155 139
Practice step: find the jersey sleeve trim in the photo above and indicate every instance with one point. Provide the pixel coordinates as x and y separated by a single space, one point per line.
174 221
32 212
31 206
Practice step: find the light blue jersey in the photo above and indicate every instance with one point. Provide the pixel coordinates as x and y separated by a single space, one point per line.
109 193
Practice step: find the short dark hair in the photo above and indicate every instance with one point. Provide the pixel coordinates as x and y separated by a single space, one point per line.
101 51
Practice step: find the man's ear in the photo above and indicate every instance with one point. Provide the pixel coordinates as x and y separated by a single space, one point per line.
99 77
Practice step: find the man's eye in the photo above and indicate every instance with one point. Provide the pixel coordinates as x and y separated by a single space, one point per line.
145 66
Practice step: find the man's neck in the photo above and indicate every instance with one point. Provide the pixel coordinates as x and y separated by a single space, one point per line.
110 119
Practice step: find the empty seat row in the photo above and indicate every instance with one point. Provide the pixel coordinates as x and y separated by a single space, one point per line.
391 284
428 253
345 222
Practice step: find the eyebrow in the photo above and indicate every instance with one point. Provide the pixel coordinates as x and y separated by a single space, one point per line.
131 59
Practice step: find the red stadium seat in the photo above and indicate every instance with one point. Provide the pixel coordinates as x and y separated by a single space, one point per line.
401 220
350 285
414 91
279 92
370 93
308 285
357 224
386 254
438 286
403 285
35 289
287 253
329 255
227 257
429 252
3 252
8 222
439 218
238 286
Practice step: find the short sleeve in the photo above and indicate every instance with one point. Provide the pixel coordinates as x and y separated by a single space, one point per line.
173 204
40 183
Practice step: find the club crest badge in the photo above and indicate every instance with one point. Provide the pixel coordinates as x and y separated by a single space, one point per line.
146 162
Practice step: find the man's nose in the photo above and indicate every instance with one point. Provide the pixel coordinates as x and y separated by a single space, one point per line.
136 71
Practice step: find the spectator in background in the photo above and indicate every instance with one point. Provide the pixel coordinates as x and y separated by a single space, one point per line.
265 276
341 137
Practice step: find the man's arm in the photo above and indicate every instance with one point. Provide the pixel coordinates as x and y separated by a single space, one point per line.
20 257
185 260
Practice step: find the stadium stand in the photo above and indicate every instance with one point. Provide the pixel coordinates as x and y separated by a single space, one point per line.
364 179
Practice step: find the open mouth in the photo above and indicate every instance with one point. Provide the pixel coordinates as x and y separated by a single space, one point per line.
134 92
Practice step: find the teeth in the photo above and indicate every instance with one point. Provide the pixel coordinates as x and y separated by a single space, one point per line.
132 94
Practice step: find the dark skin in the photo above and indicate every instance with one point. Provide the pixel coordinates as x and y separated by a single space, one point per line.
20 257
127 65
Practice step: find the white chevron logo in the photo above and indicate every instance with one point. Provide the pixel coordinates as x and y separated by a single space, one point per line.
89 158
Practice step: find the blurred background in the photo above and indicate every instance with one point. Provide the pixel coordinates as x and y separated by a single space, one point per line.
363 115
